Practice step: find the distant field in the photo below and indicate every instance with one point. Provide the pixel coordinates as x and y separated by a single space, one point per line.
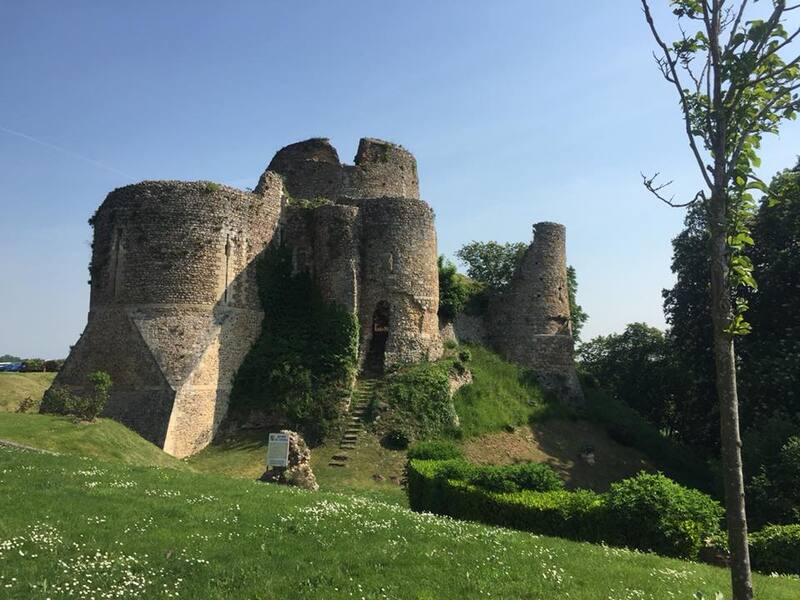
80 527
14 387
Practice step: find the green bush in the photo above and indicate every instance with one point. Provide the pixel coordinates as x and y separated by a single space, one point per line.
464 355
538 477
434 450
776 549
647 512
415 401
652 512
493 479
55 400
62 401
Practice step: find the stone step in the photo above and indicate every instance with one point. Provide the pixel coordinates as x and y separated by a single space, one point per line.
336 464
347 445
350 437
339 458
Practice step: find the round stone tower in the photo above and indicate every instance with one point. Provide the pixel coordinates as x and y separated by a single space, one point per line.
530 322
399 301
174 305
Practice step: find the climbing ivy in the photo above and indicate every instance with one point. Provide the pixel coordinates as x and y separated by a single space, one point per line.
302 364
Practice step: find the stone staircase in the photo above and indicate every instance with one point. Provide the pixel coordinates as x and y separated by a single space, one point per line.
362 392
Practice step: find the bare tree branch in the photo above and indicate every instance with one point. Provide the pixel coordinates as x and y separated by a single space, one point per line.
670 63
655 189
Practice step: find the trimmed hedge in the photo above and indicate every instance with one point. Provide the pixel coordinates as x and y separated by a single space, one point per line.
646 512
434 450
776 549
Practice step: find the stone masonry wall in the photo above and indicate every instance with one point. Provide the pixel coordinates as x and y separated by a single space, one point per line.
530 322
398 266
311 169
174 304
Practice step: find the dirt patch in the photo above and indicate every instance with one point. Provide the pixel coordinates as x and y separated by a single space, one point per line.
560 443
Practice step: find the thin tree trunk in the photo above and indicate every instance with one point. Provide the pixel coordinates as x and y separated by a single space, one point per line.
721 312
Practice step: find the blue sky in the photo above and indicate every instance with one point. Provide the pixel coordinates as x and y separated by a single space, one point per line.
517 112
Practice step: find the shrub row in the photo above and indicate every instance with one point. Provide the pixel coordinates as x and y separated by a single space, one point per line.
647 512
776 549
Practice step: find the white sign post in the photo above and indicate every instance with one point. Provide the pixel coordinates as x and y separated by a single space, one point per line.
278 450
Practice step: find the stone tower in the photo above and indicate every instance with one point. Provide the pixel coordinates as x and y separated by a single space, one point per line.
174 306
369 242
530 322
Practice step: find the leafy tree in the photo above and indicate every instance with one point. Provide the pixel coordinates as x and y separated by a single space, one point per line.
10 358
687 307
576 313
455 290
771 353
733 87
490 262
636 368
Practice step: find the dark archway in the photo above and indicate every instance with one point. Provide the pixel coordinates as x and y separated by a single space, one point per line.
377 344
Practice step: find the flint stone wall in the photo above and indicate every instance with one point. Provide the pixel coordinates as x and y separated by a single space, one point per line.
365 251
174 304
311 169
530 321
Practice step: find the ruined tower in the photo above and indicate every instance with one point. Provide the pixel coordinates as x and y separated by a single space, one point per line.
368 241
174 306
530 322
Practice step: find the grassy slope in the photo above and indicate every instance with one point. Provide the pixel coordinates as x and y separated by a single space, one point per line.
498 396
104 439
14 387
371 469
104 528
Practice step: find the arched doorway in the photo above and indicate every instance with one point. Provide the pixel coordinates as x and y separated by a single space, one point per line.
380 333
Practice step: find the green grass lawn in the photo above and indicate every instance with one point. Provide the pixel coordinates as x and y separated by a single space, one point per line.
15 387
371 469
81 527
104 439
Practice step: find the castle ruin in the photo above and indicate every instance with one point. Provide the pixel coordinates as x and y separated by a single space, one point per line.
174 305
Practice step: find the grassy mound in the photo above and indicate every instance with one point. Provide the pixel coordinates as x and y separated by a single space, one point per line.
15 387
92 529
104 439
502 394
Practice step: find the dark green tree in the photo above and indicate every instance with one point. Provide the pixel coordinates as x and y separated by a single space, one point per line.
687 308
771 353
577 315
455 290
490 262
636 368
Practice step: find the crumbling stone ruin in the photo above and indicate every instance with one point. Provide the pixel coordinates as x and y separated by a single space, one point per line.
298 473
174 305
530 322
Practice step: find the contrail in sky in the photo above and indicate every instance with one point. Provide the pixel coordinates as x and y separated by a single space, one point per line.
86 159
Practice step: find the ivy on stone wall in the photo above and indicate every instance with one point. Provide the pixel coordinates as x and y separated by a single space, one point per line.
302 364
